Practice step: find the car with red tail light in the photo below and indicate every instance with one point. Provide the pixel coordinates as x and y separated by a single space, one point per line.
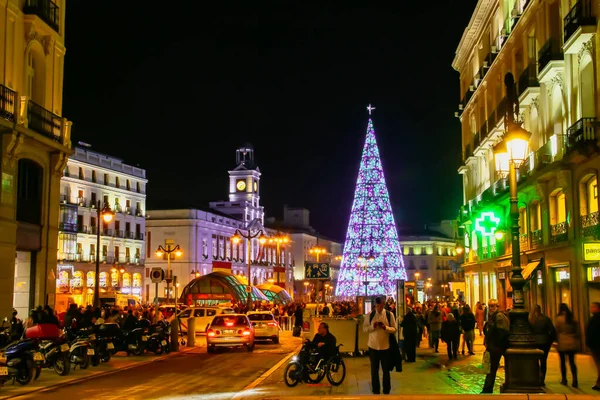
230 330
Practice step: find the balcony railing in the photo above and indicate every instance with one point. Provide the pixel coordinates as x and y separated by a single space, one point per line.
559 232
47 10
44 121
82 202
7 103
70 257
580 15
468 152
82 229
119 233
139 236
590 224
524 241
536 238
108 232
528 79
581 131
550 51
93 230
139 212
128 210
129 235
117 208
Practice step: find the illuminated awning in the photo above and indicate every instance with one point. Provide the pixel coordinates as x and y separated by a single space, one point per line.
527 271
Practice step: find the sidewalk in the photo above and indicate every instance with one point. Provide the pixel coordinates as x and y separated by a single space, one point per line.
432 374
118 363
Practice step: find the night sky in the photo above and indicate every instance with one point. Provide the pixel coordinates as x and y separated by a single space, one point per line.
177 88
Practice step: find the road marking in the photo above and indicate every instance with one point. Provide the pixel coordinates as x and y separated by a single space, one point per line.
264 376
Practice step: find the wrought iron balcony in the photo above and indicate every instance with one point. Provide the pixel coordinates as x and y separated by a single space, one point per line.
7 103
581 132
559 232
536 238
129 235
590 224
139 212
44 121
524 241
119 233
139 236
528 79
580 15
82 229
550 51
47 10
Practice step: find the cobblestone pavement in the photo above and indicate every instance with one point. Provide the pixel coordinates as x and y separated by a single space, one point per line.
432 374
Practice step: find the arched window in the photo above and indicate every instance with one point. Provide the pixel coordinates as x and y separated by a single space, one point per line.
29 192
114 279
558 216
126 280
77 280
91 279
137 279
103 279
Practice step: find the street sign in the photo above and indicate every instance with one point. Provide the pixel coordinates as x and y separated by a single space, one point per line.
420 285
248 289
157 275
316 270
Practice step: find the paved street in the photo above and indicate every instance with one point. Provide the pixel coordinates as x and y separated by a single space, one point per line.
432 374
190 373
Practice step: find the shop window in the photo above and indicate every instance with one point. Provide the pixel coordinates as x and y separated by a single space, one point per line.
126 280
137 279
114 278
593 277
77 281
103 279
562 278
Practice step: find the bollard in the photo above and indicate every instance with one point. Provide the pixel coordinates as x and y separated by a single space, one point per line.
191 331
175 334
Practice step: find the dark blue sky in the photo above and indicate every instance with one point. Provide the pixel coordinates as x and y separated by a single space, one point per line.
176 89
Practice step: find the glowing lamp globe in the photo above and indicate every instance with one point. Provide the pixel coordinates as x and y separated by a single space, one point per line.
499 235
159 253
502 159
459 250
178 253
262 239
517 144
236 239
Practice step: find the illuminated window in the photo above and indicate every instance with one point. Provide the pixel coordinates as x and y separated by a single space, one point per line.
114 278
126 280
77 280
103 279
91 279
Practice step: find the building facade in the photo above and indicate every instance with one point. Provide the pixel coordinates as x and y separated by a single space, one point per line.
35 143
430 257
205 236
90 182
550 47
296 222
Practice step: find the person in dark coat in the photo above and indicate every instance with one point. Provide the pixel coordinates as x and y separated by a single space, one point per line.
451 335
409 331
593 339
468 322
299 317
545 334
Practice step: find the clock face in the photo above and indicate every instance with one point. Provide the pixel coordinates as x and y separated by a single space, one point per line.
240 185
255 186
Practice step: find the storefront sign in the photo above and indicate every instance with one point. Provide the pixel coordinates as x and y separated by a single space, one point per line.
591 251
540 280
562 275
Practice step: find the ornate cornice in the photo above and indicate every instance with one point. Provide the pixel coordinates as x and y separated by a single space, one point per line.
556 80
46 41
473 32
587 48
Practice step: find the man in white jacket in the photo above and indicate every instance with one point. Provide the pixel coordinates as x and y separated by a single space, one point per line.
380 324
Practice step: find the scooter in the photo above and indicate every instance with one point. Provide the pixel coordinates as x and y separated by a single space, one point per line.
80 350
56 355
17 362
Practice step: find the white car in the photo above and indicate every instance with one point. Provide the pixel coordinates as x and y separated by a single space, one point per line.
265 325
203 317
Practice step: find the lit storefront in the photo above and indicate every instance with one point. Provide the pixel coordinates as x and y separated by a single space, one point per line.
77 286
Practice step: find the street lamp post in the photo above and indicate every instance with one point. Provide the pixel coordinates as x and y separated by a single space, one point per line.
170 249
106 215
317 251
279 239
522 357
236 239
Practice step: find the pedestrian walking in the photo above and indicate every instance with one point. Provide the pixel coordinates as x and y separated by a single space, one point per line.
545 335
593 339
496 342
450 334
479 317
567 332
380 324
409 331
467 322
435 326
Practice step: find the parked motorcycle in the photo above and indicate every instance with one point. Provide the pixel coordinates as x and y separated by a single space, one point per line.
102 340
17 362
81 350
56 355
159 338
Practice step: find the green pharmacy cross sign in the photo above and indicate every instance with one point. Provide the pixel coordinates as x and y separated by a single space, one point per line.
487 223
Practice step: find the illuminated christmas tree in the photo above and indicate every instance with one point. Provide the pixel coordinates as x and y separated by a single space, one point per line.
372 250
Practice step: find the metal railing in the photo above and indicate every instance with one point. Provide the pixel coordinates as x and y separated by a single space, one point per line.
47 10
589 224
44 121
82 229
580 15
536 238
581 131
129 235
551 50
7 103
524 241
559 232
119 233
139 236
528 78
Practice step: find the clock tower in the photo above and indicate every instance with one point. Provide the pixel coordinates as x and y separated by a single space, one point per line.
244 187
